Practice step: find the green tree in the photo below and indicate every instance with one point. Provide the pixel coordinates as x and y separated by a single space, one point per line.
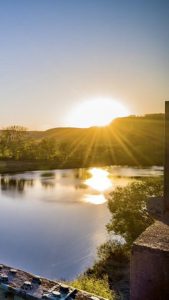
12 142
47 149
128 208
129 218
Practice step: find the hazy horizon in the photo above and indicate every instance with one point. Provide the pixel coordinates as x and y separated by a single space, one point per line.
64 127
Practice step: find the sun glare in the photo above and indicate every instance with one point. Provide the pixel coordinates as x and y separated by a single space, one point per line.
95 199
100 183
99 180
96 112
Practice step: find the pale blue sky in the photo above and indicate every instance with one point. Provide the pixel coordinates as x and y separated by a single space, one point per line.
55 53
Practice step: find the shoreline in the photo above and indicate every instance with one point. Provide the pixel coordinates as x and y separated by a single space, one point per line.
11 166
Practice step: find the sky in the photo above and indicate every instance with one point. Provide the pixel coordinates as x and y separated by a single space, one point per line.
56 54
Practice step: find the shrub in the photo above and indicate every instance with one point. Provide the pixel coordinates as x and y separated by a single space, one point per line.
94 285
128 208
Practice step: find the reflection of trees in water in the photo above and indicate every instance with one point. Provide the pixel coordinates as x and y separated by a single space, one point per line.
81 186
64 175
15 184
81 173
48 184
48 174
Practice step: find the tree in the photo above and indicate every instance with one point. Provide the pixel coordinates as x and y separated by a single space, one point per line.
47 149
128 208
129 218
12 142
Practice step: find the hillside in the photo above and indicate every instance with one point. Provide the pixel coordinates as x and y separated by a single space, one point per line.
133 140
129 140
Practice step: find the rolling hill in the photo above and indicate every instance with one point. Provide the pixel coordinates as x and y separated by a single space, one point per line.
133 140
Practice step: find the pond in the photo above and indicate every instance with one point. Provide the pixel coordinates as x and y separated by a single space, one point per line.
52 222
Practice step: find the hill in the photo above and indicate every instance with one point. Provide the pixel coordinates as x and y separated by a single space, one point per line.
133 140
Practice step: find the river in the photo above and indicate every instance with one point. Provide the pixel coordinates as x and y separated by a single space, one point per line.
51 223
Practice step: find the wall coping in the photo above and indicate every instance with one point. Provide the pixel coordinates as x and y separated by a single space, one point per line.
155 237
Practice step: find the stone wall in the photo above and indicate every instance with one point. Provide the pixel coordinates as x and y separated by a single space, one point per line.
150 264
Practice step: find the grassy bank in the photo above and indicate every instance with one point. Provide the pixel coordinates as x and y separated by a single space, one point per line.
17 166
94 286
12 166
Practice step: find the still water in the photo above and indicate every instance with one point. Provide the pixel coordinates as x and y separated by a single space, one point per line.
51 223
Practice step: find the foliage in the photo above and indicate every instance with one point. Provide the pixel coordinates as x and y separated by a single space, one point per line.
12 142
94 285
112 261
47 149
114 250
129 218
126 141
16 144
128 208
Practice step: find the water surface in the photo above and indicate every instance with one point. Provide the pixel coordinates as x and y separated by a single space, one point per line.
52 222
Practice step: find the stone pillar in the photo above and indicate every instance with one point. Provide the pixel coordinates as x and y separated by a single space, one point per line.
150 264
166 165
149 276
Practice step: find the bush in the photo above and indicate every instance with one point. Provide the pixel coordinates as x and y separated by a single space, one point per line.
128 207
129 218
113 261
94 285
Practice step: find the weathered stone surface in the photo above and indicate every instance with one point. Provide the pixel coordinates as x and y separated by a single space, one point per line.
150 264
156 236
22 285
155 207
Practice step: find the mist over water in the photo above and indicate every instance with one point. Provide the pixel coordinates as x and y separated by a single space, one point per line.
51 223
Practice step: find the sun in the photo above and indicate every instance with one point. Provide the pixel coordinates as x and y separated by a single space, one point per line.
96 112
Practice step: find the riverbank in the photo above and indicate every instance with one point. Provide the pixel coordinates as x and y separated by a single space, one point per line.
13 166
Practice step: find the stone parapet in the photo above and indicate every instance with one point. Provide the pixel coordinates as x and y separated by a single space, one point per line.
150 264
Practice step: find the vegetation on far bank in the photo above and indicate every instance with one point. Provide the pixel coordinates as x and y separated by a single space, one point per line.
130 141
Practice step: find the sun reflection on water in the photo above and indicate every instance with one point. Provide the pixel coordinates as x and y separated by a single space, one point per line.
95 199
99 180
100 183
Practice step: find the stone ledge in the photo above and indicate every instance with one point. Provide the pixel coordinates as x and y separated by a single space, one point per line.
155 237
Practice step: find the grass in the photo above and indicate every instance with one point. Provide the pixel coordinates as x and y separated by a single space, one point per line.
94 286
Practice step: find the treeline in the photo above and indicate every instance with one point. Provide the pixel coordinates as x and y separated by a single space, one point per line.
127 141
16 144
